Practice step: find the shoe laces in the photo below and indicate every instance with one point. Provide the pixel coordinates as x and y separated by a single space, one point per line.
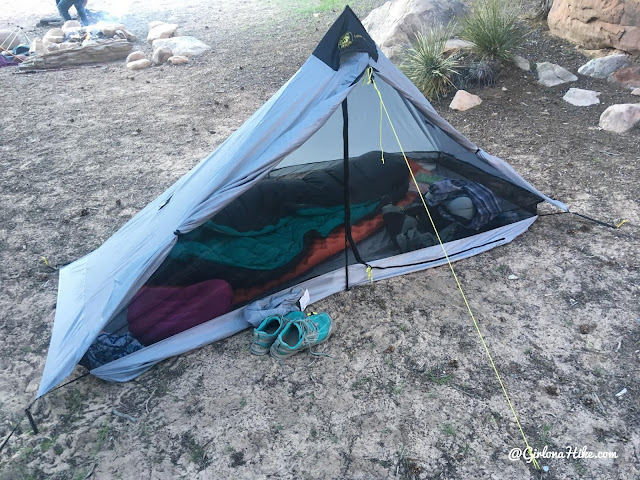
309 330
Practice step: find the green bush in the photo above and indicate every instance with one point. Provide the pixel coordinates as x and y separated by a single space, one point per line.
495 29
427 67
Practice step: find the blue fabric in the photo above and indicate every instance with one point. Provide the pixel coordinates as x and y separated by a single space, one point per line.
108 347
278 304
487 205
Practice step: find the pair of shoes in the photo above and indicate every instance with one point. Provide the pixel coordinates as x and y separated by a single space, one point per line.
302 334
288 335
269 329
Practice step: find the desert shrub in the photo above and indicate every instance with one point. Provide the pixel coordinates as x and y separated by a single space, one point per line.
476 73
426 65
495 28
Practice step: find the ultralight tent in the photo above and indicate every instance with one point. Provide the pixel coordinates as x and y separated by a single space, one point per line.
315 190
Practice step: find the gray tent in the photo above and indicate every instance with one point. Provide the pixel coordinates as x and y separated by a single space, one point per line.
277 193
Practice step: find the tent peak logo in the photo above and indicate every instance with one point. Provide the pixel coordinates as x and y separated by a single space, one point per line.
345 40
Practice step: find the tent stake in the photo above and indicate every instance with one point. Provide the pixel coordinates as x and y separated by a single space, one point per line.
32 421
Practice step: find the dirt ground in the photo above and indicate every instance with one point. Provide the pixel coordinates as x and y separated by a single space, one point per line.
408 391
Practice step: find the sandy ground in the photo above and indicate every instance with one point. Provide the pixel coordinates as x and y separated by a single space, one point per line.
408 391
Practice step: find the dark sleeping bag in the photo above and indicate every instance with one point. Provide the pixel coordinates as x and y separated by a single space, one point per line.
272 199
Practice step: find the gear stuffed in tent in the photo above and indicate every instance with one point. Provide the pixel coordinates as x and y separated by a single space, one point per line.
317 191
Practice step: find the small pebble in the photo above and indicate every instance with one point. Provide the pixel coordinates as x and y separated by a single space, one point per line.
504 89
513 277
621 392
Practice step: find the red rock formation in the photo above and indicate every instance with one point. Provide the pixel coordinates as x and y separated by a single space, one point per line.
598 23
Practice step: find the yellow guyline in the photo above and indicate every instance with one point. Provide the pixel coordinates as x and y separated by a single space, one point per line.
367 81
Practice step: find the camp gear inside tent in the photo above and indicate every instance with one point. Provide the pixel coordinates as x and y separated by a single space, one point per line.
321 189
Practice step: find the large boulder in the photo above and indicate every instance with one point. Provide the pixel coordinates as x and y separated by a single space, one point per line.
182 46
620 118
598 23
394 24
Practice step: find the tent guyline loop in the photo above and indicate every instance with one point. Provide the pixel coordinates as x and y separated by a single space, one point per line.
594 220
529 450
27 411
599 222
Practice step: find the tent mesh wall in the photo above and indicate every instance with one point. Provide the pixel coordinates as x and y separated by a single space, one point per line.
290 226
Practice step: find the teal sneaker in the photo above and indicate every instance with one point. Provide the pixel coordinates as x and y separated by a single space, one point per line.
269 329
301 334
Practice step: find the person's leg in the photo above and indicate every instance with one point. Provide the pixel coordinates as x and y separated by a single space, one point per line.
63 8
82 13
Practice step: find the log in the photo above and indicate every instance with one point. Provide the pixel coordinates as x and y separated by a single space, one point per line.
105 52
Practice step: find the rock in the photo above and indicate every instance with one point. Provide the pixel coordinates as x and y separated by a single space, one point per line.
110 29
139 64
394 24
71 26
598 23
183 46
620 118
636 91
581 98
550 74
164 30
55 35
464 101
133 56
512 277
628 77
9 40
32 386
152 25
161 55
126 35
177 60
37 47
522 63
454 44
604 66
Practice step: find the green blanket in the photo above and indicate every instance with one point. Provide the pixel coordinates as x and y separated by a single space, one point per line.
269 248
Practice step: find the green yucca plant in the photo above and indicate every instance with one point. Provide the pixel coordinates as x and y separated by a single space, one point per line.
426 66
495 29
